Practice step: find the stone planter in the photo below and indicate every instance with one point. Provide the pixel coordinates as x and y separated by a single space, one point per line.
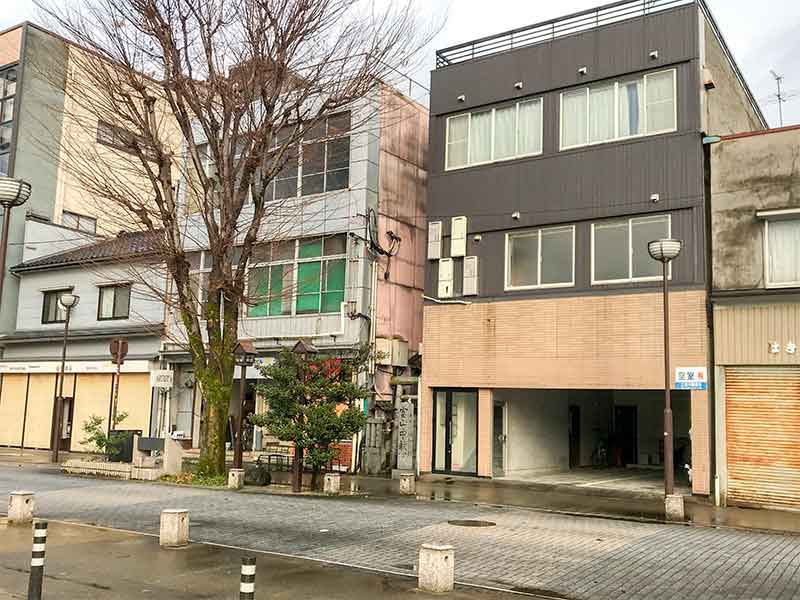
112 470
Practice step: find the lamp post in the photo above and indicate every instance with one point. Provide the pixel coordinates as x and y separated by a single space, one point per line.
68 301
665 251
245 356
13 192
302 348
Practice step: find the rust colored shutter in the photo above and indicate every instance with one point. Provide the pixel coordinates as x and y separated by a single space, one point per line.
762 415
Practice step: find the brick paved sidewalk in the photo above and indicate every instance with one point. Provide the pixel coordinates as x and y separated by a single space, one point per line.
575 557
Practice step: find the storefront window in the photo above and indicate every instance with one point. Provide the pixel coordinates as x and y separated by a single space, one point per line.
456 431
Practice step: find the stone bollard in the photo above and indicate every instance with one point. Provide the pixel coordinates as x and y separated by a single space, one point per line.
21 507
436 568
408 484
174 532
236 479
333 484
673 507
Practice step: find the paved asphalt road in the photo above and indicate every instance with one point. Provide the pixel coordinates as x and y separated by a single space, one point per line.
572 557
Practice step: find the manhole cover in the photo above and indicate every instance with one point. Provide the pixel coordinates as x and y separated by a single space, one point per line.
471 523
539 593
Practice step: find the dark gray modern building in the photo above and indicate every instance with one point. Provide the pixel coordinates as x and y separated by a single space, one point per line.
557 152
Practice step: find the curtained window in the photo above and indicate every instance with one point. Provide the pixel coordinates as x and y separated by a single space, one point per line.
620 109
783 253
495 134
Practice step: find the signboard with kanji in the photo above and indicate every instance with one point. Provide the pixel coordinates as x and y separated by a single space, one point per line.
691 378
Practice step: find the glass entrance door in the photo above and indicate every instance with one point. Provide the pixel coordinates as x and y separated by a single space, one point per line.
455 431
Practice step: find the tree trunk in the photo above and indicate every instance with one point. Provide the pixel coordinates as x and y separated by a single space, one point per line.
297 470
315 478
212 455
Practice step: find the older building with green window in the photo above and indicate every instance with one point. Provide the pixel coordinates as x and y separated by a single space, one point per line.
341 261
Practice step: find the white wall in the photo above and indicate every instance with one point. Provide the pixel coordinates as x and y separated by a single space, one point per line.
44 239
342 211
145 308
538 431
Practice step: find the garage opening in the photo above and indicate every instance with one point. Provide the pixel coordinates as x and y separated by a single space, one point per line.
589 438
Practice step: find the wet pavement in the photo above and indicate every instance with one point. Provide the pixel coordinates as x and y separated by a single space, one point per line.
518 549
570 499
92 563
613 493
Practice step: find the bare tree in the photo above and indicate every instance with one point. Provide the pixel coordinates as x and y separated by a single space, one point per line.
174 86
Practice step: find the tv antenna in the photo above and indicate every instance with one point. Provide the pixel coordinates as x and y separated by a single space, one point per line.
780 96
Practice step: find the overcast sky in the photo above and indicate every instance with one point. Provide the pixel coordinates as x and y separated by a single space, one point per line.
762 35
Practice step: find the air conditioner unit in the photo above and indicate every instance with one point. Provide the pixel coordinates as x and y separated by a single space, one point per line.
383 351
399 353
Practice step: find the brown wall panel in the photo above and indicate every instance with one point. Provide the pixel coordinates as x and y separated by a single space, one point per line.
12 408
92 396
38 423
606 342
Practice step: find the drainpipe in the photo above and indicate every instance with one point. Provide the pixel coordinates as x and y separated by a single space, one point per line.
712 387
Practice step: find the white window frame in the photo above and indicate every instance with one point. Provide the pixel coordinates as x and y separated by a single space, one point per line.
493 110
769 284
630 278
617 136
539 286
295 263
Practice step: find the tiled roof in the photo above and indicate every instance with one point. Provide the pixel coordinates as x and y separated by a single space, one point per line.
123 246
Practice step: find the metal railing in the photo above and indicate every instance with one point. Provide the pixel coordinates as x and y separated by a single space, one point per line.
554 29
279 458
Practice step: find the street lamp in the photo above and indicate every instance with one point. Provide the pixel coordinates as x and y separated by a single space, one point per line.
245 356
68 301
665 251
13 192
302 348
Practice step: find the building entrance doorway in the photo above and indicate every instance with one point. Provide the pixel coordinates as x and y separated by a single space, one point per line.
626 420
455 431
499 438
65 435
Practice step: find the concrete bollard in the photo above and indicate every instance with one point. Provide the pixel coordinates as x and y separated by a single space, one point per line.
333 484
21 507
235 479
408 484
436 568
673 507
174 532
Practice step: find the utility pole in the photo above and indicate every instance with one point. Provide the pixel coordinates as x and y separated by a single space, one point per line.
780 96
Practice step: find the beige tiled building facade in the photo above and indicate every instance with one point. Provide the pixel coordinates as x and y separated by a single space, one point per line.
553 165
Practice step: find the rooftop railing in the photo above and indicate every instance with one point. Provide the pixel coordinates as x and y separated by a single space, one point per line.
554 29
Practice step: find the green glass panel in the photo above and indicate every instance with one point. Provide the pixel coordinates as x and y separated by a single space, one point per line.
258 287
308 303
276 299
310 248
308 277
258 310
334 275
308 287
331 301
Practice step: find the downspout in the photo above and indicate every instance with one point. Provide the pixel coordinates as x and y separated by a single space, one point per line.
709 247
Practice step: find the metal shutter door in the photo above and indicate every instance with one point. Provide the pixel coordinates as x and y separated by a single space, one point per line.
762 417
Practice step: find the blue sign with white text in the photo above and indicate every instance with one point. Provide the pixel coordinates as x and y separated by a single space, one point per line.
691 378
